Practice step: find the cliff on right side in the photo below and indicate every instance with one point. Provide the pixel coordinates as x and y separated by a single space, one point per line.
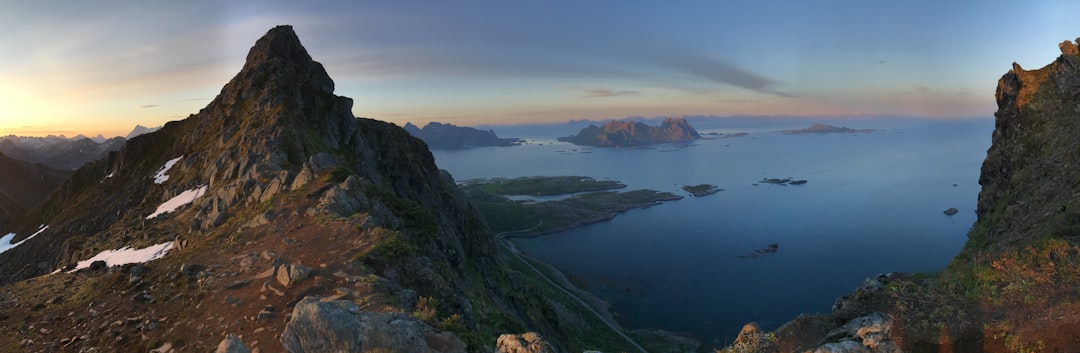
1015 286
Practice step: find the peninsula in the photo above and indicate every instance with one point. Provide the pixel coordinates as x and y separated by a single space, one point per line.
582 205
633 133
447 136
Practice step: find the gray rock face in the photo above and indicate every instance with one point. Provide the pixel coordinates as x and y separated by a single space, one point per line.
868 333
232 344
843 347
339 326
529 342
290 274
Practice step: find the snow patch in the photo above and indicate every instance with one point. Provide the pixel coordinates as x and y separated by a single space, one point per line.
5 241
184 198
161 177
127 255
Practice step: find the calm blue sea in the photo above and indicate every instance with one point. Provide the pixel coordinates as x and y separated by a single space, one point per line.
873 204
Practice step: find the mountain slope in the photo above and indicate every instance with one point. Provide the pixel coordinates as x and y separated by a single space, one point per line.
24 185
291 197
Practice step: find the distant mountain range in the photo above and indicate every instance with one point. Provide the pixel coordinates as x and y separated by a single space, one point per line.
62 152
634 133
827 129
447 136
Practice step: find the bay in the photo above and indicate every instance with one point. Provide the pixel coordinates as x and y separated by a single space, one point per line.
873 204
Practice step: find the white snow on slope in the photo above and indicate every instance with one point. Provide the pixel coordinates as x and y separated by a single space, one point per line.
127 255
184 198
5 241
161 177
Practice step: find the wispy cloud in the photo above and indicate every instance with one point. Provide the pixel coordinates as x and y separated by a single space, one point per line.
149 106
155 105
590 92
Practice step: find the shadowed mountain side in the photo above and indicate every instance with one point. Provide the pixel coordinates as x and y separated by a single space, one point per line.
448 136
23 185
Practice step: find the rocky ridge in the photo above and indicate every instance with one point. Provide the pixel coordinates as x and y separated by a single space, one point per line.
302 209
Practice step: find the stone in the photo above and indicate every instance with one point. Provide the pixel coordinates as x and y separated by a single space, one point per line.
290 274
843 347
529 342
1068 48
232 344
136 273
192 271
237 283
339 326
951 211
872 329
97 265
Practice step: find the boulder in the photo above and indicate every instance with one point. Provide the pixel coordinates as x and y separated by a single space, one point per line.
339 326
232 344
290 274
529 342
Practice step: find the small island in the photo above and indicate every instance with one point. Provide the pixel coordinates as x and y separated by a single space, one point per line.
768 250
726 135
701 190
448 136
582 204
784 181
633 133
827 129
951 211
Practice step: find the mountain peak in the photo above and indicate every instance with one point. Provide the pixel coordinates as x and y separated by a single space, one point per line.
277 66
278 44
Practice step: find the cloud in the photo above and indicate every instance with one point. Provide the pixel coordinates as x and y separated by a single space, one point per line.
601 92
720 70
148 106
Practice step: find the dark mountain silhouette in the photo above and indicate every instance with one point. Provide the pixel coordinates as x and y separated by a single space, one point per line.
448 136
24 185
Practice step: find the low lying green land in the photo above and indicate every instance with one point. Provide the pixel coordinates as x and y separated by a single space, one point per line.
701 189
542 186
537 218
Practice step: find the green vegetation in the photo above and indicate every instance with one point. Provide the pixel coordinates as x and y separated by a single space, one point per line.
701 189
504 215
542 186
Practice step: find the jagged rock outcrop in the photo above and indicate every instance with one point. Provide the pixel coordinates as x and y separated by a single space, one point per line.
1028 174
529 342
449 136
634 133
340 326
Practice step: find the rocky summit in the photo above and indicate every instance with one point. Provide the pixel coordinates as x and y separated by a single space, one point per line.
277 221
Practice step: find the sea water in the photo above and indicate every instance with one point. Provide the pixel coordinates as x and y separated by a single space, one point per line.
873 204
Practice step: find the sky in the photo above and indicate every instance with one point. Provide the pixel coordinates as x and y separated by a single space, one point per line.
101 67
